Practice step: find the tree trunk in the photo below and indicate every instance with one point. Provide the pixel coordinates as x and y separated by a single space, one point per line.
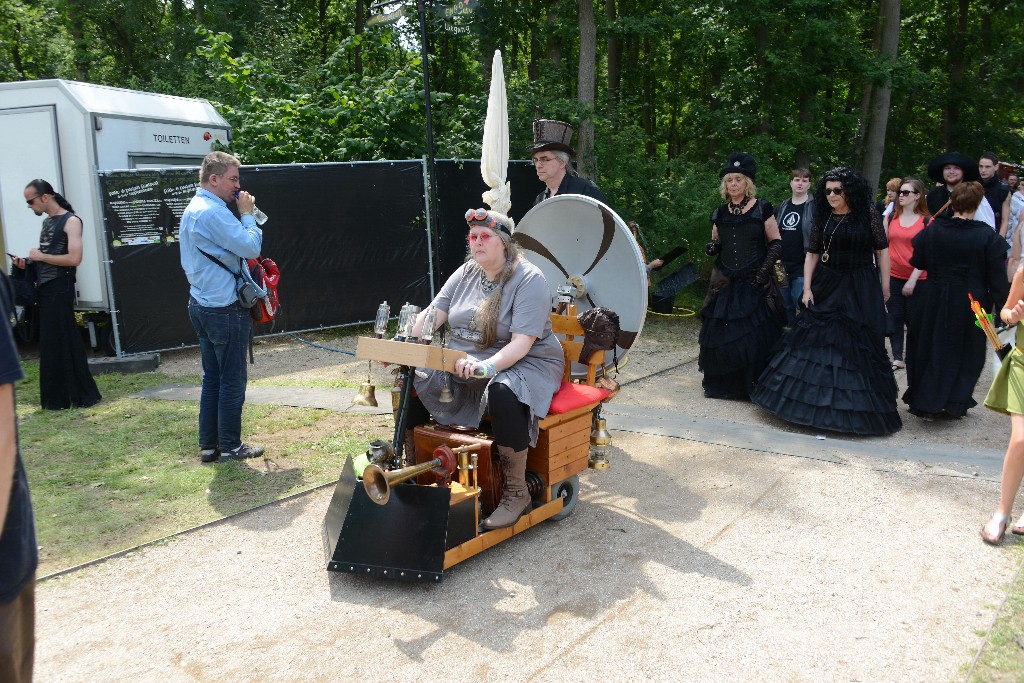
553 48
649 93
586 86
81 53
874 143
957 65
360 27
805 118
614 60
322 18
200 9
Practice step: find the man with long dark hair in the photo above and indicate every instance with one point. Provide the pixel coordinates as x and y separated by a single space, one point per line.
64 377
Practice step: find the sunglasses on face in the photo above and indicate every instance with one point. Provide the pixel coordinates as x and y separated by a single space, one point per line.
904 193
482 237
833 190
30 202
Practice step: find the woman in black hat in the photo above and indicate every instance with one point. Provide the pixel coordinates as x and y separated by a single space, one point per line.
738 326
945 349
831 370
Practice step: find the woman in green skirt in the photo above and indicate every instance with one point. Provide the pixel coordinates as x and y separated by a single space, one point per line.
1007 396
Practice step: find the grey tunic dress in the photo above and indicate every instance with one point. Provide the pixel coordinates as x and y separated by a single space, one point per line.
525 309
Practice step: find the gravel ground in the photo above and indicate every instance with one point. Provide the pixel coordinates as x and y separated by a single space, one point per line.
686 561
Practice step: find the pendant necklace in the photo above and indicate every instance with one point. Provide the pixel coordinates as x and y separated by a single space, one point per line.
737 209
835 229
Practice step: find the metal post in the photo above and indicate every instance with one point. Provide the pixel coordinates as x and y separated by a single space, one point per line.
432 203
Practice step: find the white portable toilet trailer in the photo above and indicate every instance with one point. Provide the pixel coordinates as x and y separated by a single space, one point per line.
66 132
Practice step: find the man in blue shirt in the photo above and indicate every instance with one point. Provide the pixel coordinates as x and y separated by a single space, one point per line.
19 554
210 231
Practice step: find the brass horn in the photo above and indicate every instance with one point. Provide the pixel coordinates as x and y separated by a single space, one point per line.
377 483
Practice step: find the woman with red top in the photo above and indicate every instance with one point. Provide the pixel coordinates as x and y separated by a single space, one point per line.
903 224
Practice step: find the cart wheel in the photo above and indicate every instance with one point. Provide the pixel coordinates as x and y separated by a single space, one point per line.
569 491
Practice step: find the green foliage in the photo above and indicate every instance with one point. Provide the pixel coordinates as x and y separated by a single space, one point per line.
301 82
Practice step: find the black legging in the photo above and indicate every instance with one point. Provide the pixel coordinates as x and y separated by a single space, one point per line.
511 426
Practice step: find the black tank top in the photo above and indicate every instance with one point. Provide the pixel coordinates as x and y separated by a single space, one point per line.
53 240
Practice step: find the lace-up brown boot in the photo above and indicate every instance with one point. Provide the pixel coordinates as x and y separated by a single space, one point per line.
515 497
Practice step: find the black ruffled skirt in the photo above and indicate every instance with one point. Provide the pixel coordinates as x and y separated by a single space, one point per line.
737 334
831 370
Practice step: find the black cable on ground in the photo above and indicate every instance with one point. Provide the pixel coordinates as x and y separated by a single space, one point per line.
318 346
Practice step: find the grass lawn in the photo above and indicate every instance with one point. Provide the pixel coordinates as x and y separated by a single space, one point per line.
1003 656
127 470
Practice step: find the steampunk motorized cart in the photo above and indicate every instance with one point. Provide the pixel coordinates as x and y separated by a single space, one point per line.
413 521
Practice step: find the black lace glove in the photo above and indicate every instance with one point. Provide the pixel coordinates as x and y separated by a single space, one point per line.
767 270
713 247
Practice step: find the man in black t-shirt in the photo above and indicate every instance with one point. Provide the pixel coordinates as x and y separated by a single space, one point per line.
19 555
794 218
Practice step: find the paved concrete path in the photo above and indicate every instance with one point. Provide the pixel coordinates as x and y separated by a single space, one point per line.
710 551
339 400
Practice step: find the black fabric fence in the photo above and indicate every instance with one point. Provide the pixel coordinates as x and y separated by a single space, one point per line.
345 236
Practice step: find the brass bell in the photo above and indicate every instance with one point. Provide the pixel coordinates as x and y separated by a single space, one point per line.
446 395
600 440
366 396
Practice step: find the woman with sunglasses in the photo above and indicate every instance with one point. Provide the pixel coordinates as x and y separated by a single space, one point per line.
945 350
831 370
497 306
738 326
904 280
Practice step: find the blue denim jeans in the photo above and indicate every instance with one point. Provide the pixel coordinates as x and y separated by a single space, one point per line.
792 294
223 339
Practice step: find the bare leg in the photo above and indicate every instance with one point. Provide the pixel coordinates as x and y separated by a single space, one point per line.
1013 471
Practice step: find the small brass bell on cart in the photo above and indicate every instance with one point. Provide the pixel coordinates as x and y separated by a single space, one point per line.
366 395
446 395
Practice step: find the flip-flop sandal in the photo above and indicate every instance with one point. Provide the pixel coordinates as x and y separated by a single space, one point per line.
898 365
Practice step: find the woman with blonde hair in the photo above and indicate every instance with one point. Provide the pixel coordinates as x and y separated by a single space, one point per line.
904 280
497 306
740 316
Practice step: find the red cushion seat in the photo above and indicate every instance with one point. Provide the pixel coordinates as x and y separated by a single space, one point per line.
571 396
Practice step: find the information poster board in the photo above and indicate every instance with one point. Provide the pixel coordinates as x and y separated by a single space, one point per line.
132 207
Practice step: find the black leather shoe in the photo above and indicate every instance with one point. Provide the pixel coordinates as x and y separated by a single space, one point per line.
209 454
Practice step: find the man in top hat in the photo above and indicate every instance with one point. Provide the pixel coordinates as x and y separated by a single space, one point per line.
951 169
551 158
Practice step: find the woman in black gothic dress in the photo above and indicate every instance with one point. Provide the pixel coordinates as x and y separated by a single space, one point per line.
946 350
738 328
831 370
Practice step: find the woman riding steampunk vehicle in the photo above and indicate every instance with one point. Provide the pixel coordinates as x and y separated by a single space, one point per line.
498 308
